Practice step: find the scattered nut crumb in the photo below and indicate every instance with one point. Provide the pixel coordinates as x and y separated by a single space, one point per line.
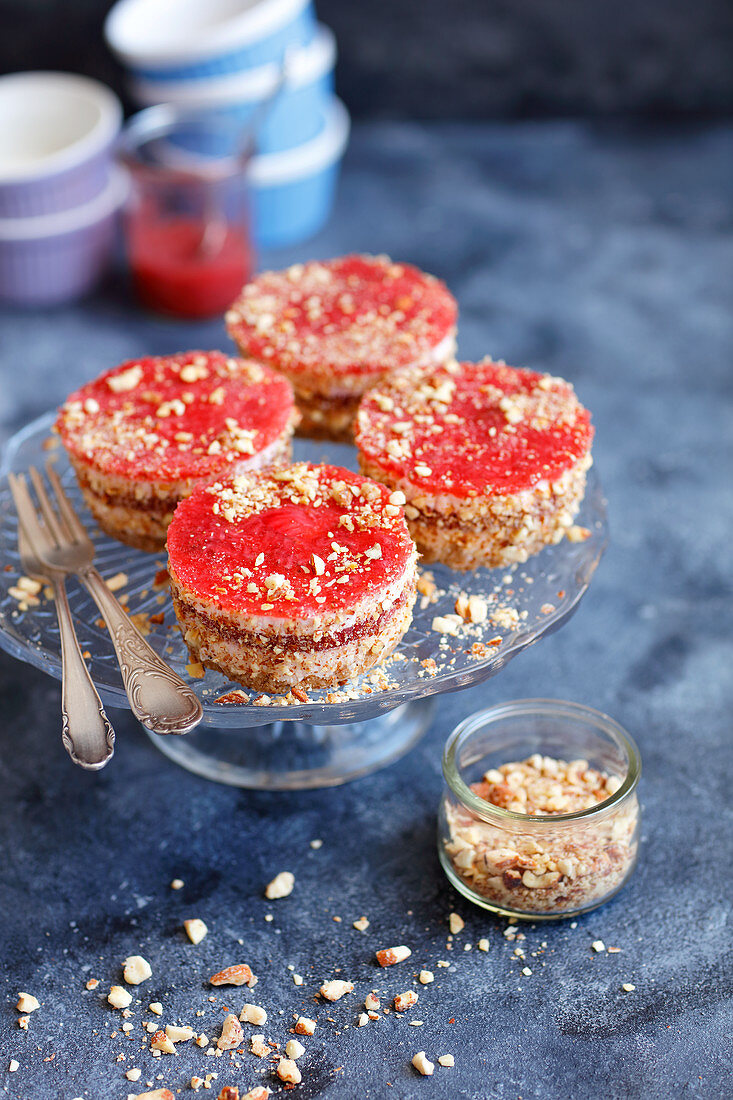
447 1060
294 1049
161 1042
27 1003
136 970
195 929
425 977
119 997
456 923
253 1014
336 989
288 1071
406 1000
92 983
361 924
371 1002
422 1064
628 987
133 1074
258 1046
238 974
388 956
177 884
156 1008
305 1026
363 1020
179 1033
483 945
281 886
598 946
316 844
231 1033
196 670
13 1066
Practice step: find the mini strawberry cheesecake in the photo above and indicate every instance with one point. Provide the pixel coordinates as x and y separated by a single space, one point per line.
492 460
301 576
338 327
141 437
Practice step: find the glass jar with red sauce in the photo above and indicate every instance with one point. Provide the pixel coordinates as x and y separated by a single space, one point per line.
187 220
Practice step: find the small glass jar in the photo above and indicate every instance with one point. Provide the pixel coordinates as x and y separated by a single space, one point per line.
532 866
187 219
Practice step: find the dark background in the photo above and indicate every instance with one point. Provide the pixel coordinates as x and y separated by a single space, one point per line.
477 59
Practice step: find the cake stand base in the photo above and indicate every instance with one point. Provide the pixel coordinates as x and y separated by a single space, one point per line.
291 756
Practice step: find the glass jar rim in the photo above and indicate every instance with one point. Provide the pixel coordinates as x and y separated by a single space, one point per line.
153 123
556 707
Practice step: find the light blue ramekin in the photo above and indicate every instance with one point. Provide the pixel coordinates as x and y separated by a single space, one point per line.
292 192
295 116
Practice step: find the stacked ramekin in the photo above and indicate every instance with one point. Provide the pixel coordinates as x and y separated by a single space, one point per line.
59 189
225 57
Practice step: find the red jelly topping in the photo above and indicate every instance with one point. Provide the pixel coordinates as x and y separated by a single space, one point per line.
290 544
473 428
353 315
182 416
173 273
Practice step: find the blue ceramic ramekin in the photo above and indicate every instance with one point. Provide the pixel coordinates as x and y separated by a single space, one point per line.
292 192
159 40
295 116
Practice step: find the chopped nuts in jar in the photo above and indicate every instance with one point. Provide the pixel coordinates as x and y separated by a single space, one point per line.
539 867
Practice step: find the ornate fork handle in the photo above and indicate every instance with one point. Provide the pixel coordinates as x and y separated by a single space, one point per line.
158 696
87 732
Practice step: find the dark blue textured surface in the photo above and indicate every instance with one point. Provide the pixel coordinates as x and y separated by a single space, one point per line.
605 257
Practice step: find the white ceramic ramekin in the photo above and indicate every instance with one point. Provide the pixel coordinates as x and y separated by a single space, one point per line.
56 136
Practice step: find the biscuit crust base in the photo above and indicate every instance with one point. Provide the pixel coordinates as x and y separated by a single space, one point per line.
278 662
139 513
491 531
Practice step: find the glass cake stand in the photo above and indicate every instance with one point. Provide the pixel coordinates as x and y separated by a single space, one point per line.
267 742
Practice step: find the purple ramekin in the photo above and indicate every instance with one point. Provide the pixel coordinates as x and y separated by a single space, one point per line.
56 258
57 131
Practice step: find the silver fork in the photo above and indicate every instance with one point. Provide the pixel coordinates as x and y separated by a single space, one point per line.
86 730
158 696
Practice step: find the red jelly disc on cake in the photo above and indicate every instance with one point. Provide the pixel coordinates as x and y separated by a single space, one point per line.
176 417
351 315
472 428
296 542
